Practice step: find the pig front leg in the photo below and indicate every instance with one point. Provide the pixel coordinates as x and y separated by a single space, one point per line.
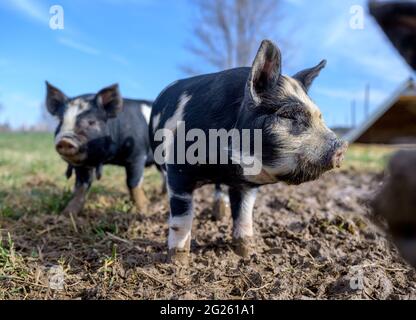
134 174
84 178
242 204
180 226
221 204
180 221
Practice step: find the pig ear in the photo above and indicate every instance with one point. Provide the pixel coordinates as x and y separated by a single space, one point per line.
110 100
55 99
307 76
266 70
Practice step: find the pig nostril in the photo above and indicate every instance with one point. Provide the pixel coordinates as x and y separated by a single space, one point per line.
66 147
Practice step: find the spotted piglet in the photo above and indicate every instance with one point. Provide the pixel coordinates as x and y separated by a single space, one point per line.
99 129
244 128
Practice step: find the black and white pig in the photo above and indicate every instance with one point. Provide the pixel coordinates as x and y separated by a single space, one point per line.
297 146
99 129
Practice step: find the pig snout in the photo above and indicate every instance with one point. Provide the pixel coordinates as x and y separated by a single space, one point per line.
67 147
339 154
334 155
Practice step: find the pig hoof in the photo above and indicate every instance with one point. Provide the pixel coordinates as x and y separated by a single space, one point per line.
139 199
221 210
142 208
178 256
243 247
74 207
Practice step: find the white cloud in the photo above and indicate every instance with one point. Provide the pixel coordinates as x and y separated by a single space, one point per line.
30 9
383 66
119 59
366 50
87 49
78 46
337 31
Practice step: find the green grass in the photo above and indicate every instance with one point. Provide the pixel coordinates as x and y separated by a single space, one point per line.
32 178
6 252
368 157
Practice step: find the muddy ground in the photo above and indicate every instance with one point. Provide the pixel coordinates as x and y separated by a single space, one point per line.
314 241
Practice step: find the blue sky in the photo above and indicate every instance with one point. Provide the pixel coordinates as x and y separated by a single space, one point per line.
140 44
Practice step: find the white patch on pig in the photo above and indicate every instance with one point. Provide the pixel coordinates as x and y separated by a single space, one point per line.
155 122
243 225
146 111
141 181
292 88
307 145
171 193
156 118
289 148
74 108
222 196
179 227
172 122
180 231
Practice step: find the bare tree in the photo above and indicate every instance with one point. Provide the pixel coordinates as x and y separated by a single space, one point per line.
228 32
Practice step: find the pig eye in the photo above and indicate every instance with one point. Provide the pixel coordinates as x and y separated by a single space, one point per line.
92 122
287 116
